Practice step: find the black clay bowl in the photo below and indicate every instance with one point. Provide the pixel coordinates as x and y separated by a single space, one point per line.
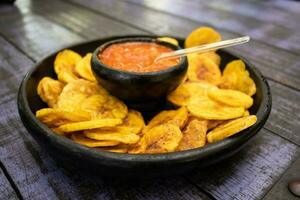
143 91
72 155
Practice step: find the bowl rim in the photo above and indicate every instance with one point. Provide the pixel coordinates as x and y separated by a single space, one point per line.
147 39
232 142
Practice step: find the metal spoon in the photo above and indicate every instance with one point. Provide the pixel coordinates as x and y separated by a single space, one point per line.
203 48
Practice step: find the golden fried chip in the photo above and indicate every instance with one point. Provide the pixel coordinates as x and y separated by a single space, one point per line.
55 117
79 138
182 94
83 68
64 65
236 77
230 97
230 128
75 92
212 56
99 134
194 135
134 122
202 35
85 125
169 40
49 90
160 139
208 109
213 124
203 69
246 113
177 117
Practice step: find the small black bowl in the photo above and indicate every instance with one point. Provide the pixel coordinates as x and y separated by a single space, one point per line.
144 91
75 156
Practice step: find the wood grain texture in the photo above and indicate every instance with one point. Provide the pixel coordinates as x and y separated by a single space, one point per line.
268 59
37 176
263 11
6 190
76 18
250 173
33 34
280 190
272 34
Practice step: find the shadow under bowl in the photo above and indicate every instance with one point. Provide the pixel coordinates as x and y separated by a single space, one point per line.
74 156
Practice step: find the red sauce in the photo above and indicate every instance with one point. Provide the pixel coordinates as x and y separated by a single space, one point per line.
136 57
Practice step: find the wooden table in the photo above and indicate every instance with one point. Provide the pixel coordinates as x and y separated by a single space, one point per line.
30 30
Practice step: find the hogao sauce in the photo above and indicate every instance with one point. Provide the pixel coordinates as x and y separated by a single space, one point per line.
136 57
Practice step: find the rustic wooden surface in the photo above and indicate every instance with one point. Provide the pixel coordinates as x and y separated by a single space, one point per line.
30 30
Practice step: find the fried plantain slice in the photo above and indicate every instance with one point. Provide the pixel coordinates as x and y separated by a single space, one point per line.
55 117
230 97
160 139
186 91
203 69
79 138
213 124
93 124
122 148
177 117
194 135
236 77
75 92
99 134
169 40
134 122
64 65
202 35
84 69
208 109
49 89
212 56
230 128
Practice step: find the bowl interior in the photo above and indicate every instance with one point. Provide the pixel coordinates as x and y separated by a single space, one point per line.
32 103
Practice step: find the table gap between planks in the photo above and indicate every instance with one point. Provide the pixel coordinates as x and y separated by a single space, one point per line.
30 30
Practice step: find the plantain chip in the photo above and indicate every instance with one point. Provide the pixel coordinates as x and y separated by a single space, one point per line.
169 40
93 124
55 117
79 138
83 68
230 128
230 97
212 56
194 135
99 134
208 109
203 69
177 117
236 77
49 90
213 124
160 139
202 35
186 91
246 113
64 65
75 92
134 122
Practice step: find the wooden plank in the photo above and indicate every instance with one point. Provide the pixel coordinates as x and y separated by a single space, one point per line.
264 11
268 59
37 176
77 19
250 173
285 114
280 189
6 190
269 33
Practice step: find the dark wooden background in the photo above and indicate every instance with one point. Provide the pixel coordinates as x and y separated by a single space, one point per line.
30 30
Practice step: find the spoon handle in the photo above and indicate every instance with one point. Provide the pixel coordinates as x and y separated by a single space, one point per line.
204 48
